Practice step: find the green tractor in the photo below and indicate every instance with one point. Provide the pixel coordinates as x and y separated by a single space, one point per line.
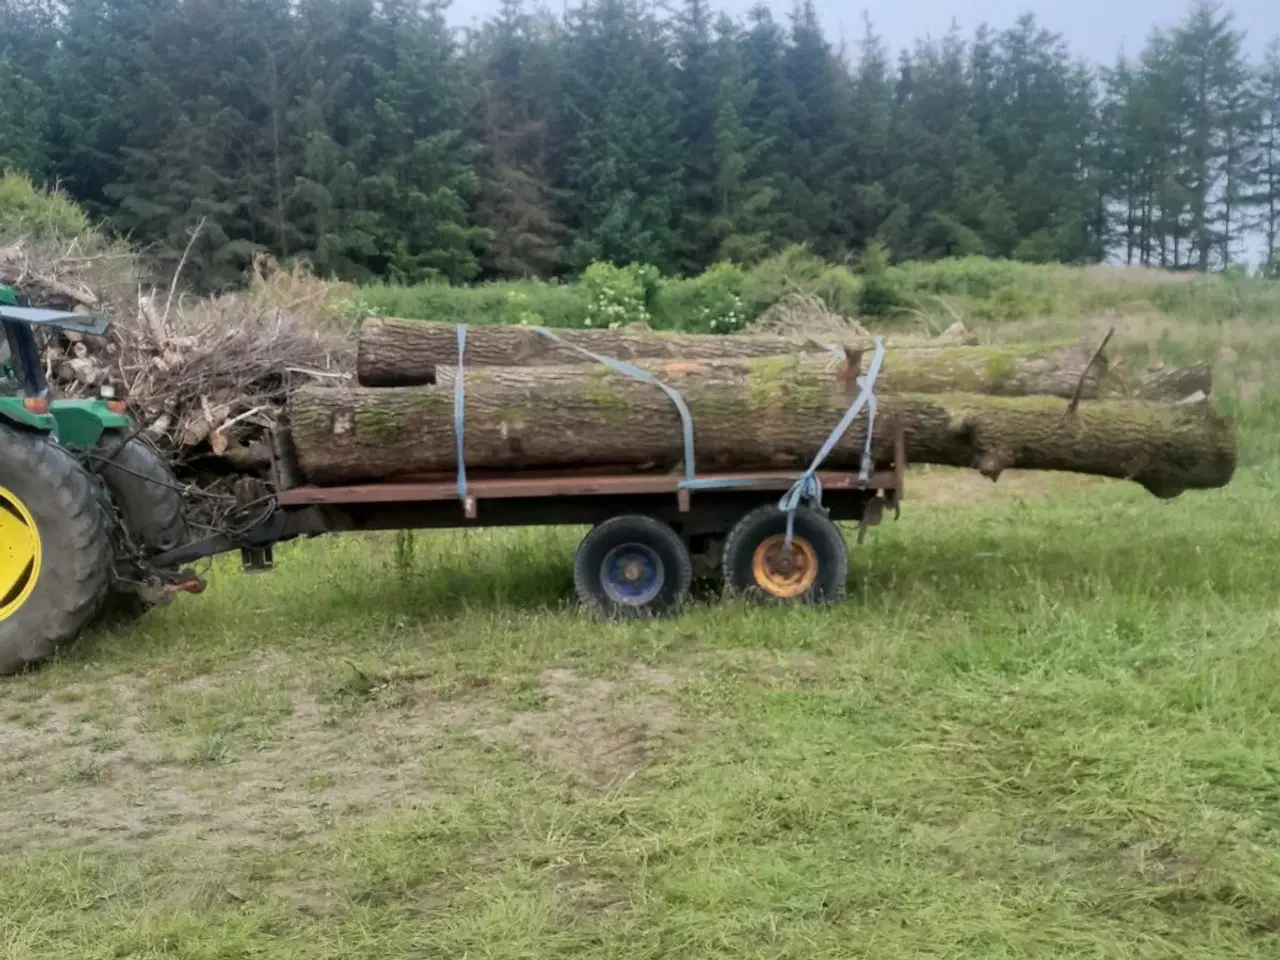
83 501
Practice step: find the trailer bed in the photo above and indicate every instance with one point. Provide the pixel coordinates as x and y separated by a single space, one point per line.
700 515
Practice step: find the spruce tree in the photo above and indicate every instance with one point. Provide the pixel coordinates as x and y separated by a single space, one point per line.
1212 80
744 222
868 146
620 113
28 40
515 79
817 104
696 131
1267 193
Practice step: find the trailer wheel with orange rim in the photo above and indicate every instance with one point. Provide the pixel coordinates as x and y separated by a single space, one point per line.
55 551
759 563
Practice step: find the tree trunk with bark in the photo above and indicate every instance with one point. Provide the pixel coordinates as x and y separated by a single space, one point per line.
402 353
1176 384
747 415
1053 369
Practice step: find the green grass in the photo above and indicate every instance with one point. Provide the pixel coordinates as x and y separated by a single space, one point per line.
1044 724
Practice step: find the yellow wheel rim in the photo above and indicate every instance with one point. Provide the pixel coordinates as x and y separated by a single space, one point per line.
781 572
20 554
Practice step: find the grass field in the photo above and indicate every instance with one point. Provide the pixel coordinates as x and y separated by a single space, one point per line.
1045 724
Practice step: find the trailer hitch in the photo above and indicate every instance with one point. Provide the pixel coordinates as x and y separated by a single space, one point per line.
160 590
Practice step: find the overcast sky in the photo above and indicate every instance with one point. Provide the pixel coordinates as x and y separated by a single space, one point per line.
1094 29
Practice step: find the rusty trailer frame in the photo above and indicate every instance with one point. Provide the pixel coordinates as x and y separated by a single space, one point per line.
699 516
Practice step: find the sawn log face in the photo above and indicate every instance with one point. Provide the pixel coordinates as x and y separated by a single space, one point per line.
747 415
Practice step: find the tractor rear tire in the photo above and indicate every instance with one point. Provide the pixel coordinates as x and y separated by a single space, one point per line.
55 551
151 509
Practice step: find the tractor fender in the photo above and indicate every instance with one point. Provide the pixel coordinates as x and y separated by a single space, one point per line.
81 424
14 412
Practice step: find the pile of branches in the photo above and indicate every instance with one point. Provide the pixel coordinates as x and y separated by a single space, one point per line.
206 379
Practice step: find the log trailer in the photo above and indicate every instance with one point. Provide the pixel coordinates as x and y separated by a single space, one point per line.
650 534
92 519
768 535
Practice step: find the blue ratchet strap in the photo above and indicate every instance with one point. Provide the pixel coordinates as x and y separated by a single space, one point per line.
459 392
808 486
745 483
686 420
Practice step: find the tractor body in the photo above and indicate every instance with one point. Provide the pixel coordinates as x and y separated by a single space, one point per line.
84 503
24 391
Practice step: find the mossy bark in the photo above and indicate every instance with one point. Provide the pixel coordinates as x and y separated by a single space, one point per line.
747 415
399 353
1059 370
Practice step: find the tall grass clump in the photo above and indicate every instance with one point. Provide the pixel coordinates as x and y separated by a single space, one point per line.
35 214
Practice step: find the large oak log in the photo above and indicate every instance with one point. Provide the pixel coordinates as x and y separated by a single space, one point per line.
771 414
399 353
1051 369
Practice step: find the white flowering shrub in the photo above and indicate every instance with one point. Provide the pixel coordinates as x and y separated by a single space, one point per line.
616 296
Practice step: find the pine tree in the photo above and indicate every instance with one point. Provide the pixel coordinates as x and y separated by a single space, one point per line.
620 115
1267 194
744 221
515 86
865 197
699 93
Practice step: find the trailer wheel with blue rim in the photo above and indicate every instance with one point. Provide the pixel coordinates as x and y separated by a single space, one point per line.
759 564
633 566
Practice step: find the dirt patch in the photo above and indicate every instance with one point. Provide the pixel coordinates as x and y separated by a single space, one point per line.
597 732
117 781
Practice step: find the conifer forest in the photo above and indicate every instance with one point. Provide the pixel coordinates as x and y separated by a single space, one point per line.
375 141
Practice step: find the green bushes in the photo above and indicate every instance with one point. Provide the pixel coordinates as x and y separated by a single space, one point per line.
711 302
519 301
728 297
797 270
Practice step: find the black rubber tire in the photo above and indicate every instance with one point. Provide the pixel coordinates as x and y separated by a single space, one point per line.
768 521
665 543
144 491
65 502
150 506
